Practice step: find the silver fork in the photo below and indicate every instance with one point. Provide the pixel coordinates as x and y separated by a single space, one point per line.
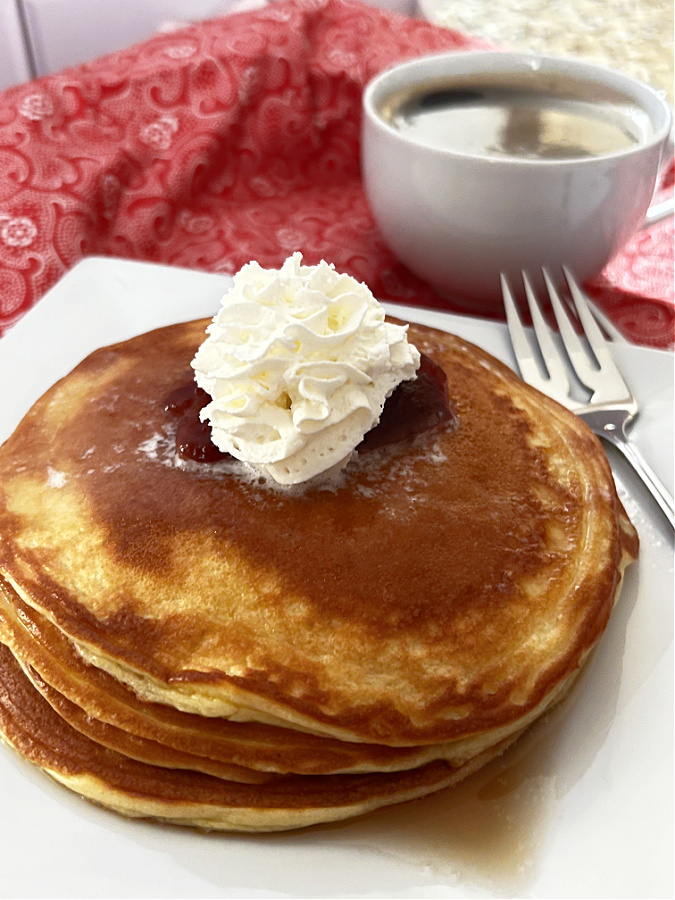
611 407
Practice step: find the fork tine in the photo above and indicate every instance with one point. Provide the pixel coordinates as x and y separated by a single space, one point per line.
609 385
553 359
521 345
527 361
609 330
587 373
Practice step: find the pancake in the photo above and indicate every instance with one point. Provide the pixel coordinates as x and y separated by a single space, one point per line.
31 727
223 598
109 712
314 651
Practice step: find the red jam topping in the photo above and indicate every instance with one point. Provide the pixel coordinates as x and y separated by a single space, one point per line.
415 406
193 437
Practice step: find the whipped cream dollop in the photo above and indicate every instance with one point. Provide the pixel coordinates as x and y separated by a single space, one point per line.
298 362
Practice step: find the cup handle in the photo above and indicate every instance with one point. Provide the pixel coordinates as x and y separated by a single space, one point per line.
658 212
665 208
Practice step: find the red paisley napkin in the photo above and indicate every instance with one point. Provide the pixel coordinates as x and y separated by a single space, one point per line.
232 140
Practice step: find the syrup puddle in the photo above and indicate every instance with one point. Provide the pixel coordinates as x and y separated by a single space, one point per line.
486 832
490 834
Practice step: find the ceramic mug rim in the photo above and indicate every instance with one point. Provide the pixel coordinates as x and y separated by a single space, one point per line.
652 101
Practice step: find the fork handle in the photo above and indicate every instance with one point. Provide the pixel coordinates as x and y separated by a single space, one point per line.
646 473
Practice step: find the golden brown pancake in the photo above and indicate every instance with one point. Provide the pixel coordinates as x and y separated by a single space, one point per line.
417 614
109 712
30 726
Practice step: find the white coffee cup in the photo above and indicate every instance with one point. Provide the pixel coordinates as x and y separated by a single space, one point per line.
458 216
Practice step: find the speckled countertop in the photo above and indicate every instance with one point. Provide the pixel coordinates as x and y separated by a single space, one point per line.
634 36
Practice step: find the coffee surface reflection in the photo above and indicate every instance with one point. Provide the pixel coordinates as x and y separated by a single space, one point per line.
503 122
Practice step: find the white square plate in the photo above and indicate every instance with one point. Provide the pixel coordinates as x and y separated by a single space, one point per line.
582 806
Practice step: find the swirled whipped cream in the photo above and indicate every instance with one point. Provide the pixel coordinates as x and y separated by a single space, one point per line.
298 362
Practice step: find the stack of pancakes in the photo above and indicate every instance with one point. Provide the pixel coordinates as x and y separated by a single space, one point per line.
182 642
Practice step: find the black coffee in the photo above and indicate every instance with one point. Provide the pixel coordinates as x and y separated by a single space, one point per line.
505 121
